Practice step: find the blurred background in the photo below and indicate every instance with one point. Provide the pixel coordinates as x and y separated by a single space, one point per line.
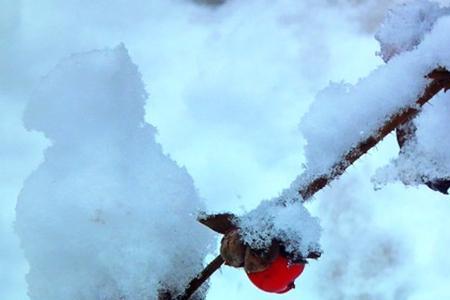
228 83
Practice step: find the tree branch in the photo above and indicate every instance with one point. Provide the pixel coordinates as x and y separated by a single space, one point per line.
440 80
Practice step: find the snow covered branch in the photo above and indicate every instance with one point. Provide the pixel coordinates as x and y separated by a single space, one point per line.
440 81
222 223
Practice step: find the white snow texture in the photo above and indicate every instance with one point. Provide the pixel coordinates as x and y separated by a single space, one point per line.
107 215
406 25
290 223
344 114
425 157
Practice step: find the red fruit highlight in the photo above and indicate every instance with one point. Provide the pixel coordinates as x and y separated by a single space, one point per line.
279 277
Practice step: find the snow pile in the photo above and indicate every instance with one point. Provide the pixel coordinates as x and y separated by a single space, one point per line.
406 25
107 215
345 114
286 221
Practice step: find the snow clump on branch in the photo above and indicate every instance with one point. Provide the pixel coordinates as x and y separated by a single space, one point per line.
285 220
344 114
424 158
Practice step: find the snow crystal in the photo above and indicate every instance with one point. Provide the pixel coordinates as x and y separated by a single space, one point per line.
406 25
107 215
288 222
344 114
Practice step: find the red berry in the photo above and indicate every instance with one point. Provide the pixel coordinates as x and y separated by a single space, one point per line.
279 277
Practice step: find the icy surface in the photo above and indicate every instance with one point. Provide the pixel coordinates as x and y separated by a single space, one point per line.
406 25
107 215
344 114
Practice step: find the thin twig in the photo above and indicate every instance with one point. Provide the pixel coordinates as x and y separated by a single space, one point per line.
197 282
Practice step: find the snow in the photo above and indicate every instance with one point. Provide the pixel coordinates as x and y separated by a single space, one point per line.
406 25
344 114
291 224
426 157
262 61
239 152
106 213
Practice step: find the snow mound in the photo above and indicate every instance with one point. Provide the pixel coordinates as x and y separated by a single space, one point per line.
107 215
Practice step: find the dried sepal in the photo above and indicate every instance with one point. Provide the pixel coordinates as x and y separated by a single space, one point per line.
232 249
254 262
297 257
259 260
314 254
439 185
220 223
